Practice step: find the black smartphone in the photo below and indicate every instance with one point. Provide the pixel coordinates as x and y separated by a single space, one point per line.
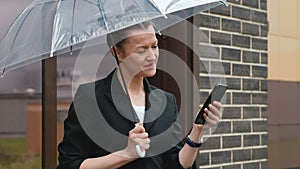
216 95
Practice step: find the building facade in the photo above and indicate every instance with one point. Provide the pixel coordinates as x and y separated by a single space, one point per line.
239 34
283 83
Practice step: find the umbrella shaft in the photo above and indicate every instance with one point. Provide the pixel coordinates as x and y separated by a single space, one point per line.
136 119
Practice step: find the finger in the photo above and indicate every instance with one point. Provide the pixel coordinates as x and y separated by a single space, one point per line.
142 135
213 116
217 104
140 124
206 125
137 129
144 146
144 143
214 110
210 122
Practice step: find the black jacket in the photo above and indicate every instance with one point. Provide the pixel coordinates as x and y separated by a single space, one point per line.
100 118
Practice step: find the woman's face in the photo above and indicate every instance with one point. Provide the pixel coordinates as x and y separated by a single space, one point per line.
139 52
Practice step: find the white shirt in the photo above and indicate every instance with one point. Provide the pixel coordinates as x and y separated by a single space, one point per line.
140 111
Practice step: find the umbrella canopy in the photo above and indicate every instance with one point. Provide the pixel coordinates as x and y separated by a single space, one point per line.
51 27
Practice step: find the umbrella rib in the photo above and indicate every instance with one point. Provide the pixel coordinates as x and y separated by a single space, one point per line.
138 4
14 40
72 26
90 2
52 44
156 6
102 12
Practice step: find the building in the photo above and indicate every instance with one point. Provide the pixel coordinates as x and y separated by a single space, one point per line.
239 33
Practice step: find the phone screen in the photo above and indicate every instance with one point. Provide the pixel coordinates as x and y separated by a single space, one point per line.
216 95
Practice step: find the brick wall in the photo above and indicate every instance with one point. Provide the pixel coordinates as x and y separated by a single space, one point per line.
238 33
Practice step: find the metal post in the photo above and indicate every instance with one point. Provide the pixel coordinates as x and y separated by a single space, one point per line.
49 113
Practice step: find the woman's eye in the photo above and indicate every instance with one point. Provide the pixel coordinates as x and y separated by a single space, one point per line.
143 50
140 51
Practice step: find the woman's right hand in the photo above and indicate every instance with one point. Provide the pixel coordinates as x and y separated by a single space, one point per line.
137 136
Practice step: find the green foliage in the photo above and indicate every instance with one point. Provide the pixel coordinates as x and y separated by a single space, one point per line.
13 155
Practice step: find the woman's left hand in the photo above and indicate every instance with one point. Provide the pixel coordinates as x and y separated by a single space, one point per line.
213 114
212 117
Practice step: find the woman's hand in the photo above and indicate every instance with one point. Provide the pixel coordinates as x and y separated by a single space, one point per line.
137 136
187 154
212 117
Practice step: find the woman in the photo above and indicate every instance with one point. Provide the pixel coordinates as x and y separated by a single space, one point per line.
137 51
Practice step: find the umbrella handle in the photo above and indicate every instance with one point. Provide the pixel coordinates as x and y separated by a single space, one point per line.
140 151
138 148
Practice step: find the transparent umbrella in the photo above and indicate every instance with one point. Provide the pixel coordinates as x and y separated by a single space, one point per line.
51 27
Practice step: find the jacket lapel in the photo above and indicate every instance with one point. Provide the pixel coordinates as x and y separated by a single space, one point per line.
116 95
155 101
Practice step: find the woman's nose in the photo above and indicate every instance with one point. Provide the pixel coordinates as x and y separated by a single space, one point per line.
151 55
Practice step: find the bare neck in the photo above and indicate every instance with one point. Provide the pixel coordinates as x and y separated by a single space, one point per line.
135 87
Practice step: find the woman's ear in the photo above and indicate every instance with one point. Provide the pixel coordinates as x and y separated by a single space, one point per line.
112 51
115 51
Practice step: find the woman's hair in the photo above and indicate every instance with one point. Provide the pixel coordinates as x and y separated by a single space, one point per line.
119 37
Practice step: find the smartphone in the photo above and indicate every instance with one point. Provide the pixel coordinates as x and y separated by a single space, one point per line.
216 95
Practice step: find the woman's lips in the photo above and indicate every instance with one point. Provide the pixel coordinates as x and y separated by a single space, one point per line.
151 65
